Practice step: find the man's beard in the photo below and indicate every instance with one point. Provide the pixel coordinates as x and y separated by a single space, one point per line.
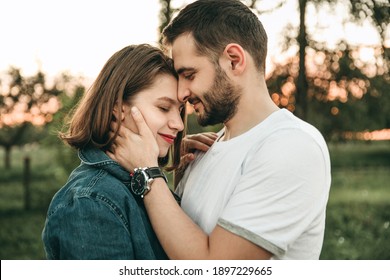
221 101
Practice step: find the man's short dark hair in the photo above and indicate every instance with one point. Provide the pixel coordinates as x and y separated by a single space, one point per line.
216 23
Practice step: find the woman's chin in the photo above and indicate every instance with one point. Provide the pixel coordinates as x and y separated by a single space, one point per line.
163 153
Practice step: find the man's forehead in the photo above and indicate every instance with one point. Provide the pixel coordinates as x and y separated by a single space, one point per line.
183 45
183 52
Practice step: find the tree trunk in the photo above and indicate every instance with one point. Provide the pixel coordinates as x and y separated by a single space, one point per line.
26 183
302 86
165 15
7 157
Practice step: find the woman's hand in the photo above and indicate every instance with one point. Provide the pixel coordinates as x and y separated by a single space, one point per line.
190 144
132 150
193 142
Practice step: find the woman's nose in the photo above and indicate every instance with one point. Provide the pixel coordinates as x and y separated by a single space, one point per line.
176 123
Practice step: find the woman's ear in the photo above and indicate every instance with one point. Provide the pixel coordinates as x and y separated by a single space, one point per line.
236 57
119 111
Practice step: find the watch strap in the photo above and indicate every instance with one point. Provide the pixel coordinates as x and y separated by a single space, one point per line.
155 172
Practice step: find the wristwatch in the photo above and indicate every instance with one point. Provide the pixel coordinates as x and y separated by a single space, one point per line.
142 179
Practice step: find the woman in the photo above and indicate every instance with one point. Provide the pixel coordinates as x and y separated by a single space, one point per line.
95 215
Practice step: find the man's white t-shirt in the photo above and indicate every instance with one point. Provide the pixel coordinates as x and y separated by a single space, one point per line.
269 185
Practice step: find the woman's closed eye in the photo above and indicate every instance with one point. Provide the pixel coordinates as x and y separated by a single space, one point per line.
164 109
167 105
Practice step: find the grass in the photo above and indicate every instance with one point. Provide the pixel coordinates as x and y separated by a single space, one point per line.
368 184
358 214
20 236
357 231
20 233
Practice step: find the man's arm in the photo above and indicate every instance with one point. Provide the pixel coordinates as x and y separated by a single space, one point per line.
180 237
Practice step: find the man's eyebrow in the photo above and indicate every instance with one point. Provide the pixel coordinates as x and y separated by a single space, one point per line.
183 69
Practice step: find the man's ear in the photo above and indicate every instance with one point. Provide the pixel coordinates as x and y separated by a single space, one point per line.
119 111
236 57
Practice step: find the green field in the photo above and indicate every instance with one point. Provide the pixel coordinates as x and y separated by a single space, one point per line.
358 215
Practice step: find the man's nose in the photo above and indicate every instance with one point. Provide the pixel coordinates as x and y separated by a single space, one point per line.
183 92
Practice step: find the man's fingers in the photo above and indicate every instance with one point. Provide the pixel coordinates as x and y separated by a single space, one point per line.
140 122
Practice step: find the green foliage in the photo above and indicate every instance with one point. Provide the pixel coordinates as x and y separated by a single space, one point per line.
65 156
339 91
27 105
20 236
166 13
358 214
359 154
193 127
357 231
341 96
377 11
20 233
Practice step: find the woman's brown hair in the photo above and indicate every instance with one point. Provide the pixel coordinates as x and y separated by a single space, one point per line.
126 73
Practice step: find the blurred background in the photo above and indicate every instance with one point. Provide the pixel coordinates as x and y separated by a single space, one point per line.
328 62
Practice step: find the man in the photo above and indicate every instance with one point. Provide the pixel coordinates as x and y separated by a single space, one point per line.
261 189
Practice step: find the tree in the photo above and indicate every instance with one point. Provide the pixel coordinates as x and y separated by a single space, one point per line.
26 105
166 14
72 92
307 84
302 85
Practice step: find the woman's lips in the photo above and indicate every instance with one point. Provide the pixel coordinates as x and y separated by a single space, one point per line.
168 138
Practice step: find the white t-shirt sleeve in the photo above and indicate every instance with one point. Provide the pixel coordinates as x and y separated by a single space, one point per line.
282 192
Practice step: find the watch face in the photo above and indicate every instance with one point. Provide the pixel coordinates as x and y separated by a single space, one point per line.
138 182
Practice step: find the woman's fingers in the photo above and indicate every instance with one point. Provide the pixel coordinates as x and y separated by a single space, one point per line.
200 141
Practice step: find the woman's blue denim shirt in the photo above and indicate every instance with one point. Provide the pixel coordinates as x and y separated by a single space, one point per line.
95 216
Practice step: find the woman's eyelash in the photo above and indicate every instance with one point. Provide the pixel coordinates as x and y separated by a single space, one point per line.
162 108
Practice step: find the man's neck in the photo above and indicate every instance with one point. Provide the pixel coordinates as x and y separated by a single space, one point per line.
250 112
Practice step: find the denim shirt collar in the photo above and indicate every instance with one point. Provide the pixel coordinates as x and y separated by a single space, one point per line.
95 157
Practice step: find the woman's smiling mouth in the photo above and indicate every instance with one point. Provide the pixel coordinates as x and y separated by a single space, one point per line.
168 138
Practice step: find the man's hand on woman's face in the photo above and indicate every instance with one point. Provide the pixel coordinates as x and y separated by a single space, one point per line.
132 150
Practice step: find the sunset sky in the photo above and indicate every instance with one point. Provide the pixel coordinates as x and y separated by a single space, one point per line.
79 36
